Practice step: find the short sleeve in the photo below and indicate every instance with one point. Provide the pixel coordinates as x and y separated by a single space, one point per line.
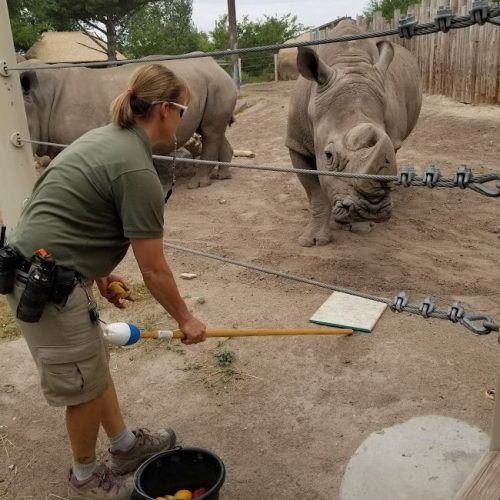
139 202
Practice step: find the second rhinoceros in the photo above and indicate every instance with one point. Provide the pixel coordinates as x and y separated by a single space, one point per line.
352 108
64 103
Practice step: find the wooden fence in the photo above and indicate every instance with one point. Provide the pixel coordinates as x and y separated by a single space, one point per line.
463 64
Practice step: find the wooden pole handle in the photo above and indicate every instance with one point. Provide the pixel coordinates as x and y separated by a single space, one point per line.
254 332
150 334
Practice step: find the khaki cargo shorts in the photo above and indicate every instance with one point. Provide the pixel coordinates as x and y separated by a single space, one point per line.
68 349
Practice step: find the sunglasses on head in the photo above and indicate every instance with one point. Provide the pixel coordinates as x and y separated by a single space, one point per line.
181 107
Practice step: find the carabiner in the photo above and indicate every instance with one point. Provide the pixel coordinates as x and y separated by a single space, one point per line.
488 323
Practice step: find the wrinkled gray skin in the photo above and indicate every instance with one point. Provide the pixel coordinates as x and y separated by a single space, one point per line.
62 104
353 106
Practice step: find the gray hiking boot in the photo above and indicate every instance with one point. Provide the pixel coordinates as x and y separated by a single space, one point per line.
146 445
102 485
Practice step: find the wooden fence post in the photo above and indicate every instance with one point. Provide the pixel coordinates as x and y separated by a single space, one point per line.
462 64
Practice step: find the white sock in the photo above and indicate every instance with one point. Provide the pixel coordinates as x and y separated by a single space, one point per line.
123 441
84 471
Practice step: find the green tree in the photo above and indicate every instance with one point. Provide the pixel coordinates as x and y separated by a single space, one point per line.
162 28
220 33
104 17
204 43
30 18
387 7
267 31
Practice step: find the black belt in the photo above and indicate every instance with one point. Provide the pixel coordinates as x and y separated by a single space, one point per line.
64 280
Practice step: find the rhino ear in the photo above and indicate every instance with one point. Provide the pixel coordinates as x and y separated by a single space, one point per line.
386 55
310 66
29 80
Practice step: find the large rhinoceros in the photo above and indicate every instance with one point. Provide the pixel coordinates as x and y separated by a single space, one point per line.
62 104
353 106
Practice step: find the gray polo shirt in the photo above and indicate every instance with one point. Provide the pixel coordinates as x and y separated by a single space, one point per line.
95 195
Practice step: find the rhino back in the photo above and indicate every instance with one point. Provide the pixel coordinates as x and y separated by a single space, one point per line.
81 102
72 101
403 94
213 96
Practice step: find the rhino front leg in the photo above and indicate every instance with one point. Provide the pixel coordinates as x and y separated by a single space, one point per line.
317 231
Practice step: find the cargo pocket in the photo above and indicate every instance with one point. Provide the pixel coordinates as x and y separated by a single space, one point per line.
68 373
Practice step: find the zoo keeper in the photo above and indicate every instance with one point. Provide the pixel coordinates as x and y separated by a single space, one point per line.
98 197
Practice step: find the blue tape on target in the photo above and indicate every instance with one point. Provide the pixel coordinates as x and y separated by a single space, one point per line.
135 334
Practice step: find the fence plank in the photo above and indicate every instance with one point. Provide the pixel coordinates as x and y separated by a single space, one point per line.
463 64
483 480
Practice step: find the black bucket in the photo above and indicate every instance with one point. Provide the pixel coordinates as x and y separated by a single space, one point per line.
180 469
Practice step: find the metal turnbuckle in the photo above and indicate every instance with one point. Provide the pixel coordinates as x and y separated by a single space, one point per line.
431 176
462 177
480 11
407 26
487 323
400 302
427 306
406 175
456 311
443 18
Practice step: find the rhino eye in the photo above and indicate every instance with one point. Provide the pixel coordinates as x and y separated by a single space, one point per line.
329 157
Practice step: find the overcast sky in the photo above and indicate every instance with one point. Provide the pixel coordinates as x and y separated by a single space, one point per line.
308 12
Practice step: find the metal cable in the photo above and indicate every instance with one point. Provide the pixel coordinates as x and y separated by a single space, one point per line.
278 273
457 22
427 308
270 168
406 177
400 303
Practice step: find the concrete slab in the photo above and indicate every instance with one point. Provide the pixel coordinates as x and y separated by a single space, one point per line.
425 458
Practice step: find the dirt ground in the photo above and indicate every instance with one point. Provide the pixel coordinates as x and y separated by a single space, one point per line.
285 415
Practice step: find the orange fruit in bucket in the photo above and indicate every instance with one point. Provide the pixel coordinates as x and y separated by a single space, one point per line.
183 495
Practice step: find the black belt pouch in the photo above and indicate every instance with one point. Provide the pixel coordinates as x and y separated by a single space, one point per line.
64 283
9 260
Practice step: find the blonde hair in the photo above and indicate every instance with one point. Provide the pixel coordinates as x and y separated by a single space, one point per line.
152 82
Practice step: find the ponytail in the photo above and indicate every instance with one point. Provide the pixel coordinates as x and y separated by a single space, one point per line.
121 110
149 83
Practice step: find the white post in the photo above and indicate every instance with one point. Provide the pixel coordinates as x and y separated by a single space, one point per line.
276 67
17 168
239 70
